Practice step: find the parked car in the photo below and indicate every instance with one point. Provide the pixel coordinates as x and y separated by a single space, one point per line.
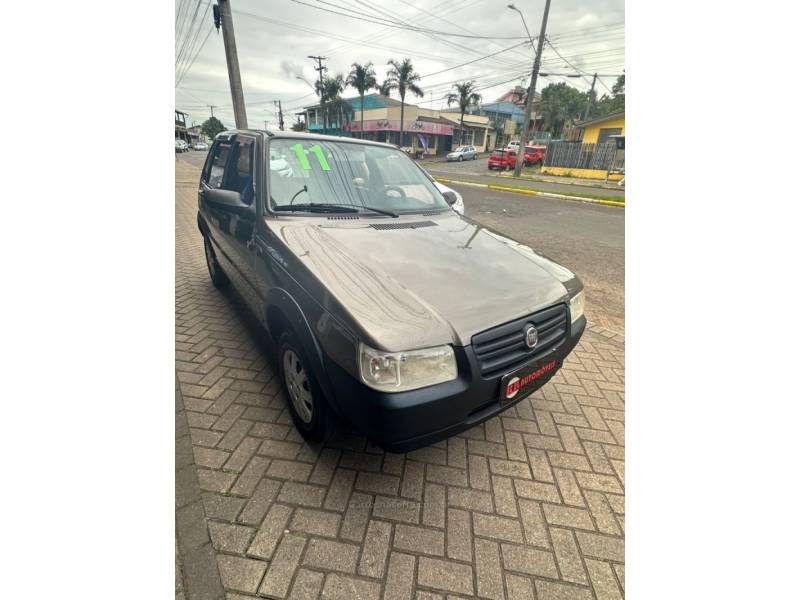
513 146
200 146
181 146
462 153
502 160
534 155
386 308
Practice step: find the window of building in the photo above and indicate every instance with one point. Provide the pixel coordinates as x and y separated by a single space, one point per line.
606 132
477 139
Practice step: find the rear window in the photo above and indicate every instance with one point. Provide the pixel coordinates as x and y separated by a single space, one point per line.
497 154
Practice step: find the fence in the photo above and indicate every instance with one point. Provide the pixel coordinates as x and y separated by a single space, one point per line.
575 155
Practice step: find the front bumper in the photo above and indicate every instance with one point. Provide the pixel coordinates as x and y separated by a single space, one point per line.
401 422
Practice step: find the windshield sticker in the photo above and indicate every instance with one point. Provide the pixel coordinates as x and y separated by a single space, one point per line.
300 152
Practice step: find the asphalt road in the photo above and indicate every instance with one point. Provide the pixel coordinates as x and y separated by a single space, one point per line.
477 170
588 239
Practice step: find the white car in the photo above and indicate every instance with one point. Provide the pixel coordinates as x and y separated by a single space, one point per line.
513 145
200 146
181 146
458 205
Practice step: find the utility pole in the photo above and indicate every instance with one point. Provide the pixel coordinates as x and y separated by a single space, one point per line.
223 18
531 92
277 104
320 68
591 99
212 109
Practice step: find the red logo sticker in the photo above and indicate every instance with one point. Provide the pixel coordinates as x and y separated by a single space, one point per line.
515 383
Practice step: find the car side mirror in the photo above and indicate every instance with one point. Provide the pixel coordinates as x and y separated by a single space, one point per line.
450 197
230 201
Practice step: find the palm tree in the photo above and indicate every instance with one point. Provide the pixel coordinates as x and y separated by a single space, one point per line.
329 90
362 78
403 78
385 88
465 96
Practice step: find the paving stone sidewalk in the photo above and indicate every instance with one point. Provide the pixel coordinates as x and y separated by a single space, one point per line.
527 505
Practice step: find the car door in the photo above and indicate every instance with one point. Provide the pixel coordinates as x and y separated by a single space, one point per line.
233 233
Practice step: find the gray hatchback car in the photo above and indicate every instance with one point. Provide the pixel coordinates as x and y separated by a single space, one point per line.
387 308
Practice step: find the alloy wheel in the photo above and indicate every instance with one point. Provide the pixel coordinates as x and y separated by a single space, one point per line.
298 385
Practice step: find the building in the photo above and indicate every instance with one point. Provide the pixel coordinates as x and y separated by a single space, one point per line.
181 132
428 131
596 152
600 129
506 117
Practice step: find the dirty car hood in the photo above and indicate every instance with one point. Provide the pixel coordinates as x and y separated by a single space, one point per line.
440 282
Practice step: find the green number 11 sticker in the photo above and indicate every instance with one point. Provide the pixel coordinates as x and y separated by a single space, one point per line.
304 163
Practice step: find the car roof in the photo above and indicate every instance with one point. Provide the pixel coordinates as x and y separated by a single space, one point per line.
302 135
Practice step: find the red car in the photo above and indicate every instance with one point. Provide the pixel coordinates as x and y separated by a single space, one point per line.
502 160
534 155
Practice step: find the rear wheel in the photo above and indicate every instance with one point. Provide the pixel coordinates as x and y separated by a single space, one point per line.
460 158
218 278
308 407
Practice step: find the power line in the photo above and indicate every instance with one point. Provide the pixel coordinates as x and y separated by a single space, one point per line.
400 25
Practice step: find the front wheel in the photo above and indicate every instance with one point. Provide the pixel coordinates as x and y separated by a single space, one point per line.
460 158
307 406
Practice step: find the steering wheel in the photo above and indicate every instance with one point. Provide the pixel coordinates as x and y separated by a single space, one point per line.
394 188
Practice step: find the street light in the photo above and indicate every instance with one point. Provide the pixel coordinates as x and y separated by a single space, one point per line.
530 39
307 82
532 89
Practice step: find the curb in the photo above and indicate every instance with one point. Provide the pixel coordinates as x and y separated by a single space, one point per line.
529 192
200 571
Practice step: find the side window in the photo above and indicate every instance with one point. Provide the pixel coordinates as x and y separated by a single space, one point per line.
240 176
216 172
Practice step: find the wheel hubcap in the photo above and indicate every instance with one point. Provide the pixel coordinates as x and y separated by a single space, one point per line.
298 385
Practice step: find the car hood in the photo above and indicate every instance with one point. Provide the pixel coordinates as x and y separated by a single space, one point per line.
419 281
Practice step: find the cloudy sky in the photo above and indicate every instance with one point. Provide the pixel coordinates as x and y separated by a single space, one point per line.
274 38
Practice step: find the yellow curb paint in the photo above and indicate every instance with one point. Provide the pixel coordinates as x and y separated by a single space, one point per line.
503 188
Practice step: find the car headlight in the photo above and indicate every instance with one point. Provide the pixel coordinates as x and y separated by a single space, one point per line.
576 306
408 370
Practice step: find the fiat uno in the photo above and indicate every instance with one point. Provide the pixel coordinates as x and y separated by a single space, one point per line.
387 308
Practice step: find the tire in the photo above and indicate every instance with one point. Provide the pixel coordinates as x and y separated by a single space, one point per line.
309 410
460 158
218 277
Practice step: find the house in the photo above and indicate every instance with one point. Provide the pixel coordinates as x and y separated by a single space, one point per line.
599 129
430 131
596 152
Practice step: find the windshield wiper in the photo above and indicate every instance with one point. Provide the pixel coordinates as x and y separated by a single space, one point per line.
381 211
317 207
328 207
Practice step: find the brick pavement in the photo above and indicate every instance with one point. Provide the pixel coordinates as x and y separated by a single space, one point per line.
527 505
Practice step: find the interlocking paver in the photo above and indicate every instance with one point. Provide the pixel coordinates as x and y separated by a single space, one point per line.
526 505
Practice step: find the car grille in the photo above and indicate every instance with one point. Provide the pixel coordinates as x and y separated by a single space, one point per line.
502 349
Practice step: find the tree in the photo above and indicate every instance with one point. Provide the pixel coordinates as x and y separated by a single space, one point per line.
615 102
298 125
329 91
465 96
560 104
212 127
385 88
403 78
362 78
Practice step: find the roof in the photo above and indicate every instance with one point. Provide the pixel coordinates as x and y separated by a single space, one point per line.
370 101
596 120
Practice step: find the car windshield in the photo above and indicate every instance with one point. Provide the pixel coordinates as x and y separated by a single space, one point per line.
462 149
365 177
